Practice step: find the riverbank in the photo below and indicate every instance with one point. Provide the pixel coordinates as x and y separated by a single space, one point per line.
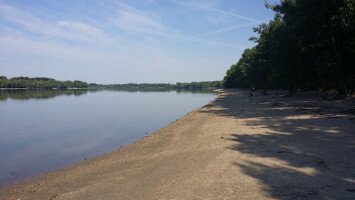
237 147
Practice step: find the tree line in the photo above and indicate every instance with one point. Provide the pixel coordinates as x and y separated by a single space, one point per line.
205 85
309 45
39 83
49 83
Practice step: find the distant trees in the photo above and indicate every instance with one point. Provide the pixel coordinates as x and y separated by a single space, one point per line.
49 83
309 45
206 85
139 86
39 83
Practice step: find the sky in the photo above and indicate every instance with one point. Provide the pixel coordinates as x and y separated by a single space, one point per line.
112 41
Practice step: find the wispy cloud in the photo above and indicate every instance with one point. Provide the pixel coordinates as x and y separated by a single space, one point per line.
68 30
128 18
131 19
211 6
223 18
230 28
138 22
197 4
233 14
86 32
215 43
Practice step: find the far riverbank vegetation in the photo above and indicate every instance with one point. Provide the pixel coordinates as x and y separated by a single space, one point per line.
42 83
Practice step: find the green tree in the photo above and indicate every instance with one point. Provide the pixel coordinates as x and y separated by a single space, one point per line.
308 45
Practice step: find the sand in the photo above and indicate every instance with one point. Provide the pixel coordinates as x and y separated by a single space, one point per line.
237 147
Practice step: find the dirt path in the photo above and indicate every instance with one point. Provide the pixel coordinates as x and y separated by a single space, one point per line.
237 147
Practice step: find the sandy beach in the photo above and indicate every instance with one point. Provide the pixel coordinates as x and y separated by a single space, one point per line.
236 147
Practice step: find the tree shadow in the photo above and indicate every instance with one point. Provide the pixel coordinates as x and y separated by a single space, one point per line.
306 149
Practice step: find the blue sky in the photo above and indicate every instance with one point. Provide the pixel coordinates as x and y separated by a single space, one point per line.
110 41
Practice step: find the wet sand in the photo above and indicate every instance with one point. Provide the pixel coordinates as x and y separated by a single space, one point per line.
237 147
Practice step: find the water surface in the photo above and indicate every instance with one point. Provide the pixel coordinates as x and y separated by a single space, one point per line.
45 130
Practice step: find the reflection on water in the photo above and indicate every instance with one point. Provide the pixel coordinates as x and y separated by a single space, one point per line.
23 94
44 130
37 94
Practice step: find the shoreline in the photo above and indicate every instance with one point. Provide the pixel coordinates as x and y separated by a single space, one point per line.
234 147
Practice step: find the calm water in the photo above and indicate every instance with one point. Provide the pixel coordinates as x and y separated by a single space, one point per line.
41 131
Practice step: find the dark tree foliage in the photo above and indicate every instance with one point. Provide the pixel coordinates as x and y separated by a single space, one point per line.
48 83
39 83
206 85
309 45
139 86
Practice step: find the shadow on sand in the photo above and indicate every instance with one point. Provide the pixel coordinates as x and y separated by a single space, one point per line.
317 150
